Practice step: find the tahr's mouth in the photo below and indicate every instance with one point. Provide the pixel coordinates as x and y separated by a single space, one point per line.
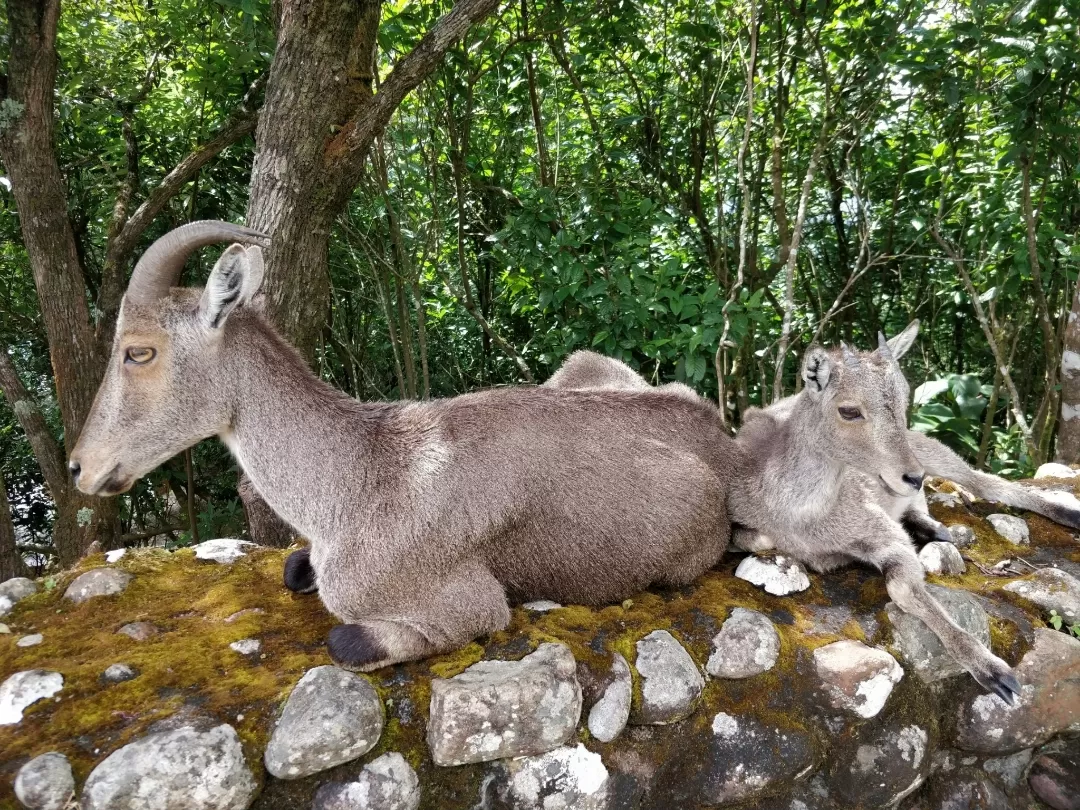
114 483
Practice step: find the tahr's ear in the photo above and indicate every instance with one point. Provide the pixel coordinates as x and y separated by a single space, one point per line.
817 369
234 280
900 344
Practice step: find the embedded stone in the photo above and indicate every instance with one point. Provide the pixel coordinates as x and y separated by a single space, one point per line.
1052 470
942 558
118 673
332 716
1055 774
15 590
567 778
224 550
115 555
385 783
1048 703
746 645
1013 529
179 769
882 769
45 782
1010 769
670 680
778 575
98 582
139 631
1051 589
967 789
608 716
499 709
743 760
30 641
541 606
921 649
947 499
246 646
963 536
23 689
856 678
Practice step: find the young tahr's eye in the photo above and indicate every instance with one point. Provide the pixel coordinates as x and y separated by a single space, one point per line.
139 355
849 414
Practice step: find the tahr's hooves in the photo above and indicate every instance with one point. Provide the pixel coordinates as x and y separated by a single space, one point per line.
1066 516
1003 684
942 534
354 646
299 575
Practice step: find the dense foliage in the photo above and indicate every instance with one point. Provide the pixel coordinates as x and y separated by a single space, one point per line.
637 177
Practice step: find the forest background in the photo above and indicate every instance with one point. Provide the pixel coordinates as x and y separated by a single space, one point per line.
461 195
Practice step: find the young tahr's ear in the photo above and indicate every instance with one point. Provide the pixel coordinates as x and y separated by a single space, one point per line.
234 280
817 369
900 344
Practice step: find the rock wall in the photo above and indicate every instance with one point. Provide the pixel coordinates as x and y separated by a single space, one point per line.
195 680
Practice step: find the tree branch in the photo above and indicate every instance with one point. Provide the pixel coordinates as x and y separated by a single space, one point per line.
413 68
47 450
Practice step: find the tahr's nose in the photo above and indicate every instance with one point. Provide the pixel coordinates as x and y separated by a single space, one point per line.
74 469
913 480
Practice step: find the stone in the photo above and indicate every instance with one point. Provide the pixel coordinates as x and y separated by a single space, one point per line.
115 555
921 649
1013 529
240 614
23 689
608 716
223 550
1048 703
1010 769
139 631
942 558
778 575
385 783
17 588
178 769
97 582
856 678
1051 589
1055 774
884 768
670 680
567 778
45 782
967 789
332 716
499 709
30 641
1052 470
743 760
541 606
948 499
746 645
118 673
963 536
4 629
246 646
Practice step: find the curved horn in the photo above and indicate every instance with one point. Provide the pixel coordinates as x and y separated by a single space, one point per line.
883 346
850 358
163 262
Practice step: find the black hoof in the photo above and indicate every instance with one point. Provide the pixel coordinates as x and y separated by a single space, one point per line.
353 646
299 575
943 535
1004 685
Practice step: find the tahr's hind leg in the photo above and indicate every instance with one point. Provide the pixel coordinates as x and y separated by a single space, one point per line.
904 581
299 575
924 529
467 604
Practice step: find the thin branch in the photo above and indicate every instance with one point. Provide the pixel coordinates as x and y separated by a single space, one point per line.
47 450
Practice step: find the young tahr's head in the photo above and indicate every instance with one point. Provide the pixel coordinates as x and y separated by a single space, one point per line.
166 384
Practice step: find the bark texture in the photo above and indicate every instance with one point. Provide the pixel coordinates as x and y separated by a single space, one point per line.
1068 440
11 562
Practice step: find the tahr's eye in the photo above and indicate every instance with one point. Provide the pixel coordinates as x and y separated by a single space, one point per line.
849 414
139 355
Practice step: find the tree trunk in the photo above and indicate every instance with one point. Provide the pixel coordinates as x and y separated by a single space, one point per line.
1068 439
26 145
316 126
11 562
